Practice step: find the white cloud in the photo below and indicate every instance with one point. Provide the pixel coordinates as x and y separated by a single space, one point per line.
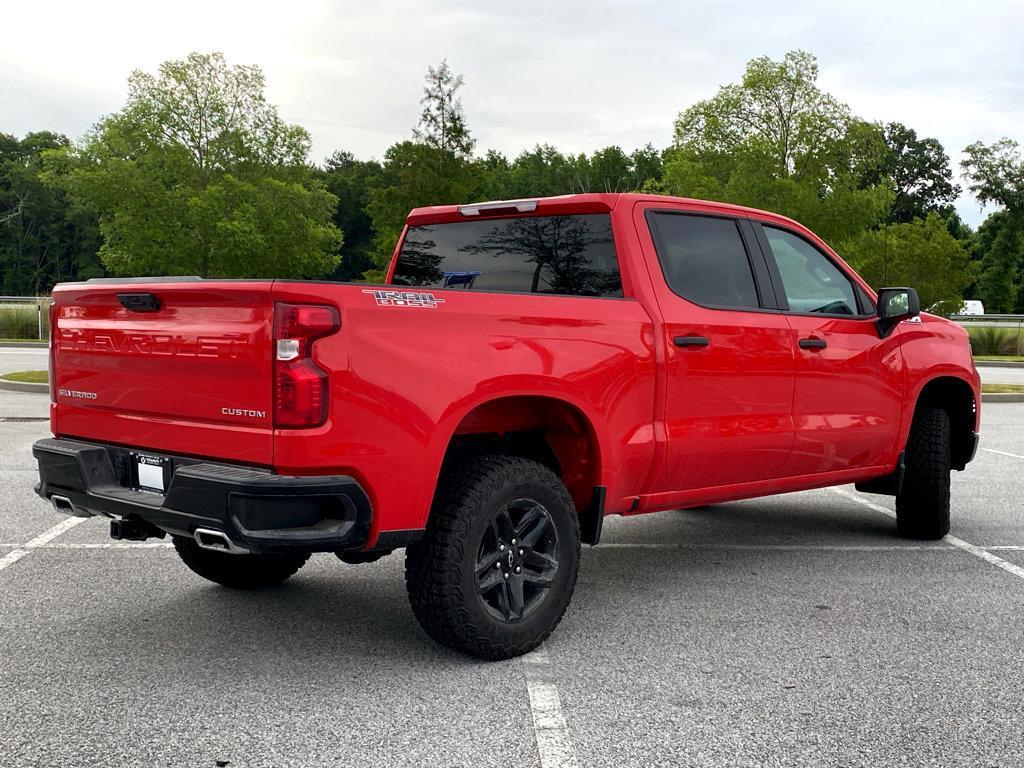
579 74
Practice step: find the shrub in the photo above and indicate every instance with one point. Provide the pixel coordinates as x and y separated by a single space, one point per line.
21 322
992 340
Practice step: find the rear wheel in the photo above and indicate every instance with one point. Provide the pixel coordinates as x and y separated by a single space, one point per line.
497 566
244 572
922 506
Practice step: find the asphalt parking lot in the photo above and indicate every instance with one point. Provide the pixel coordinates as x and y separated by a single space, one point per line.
788 630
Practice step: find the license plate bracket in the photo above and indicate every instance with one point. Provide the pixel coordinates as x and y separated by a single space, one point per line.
150 472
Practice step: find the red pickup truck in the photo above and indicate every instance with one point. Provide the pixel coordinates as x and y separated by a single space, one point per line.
529 367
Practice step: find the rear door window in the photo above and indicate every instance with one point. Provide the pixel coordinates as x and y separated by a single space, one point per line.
704 260
568 255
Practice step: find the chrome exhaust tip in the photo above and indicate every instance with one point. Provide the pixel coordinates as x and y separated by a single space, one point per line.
64 506
211 539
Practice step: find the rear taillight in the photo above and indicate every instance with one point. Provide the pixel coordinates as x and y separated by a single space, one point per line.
52 369
300 386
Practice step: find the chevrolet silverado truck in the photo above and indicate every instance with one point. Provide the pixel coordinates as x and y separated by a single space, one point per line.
528 368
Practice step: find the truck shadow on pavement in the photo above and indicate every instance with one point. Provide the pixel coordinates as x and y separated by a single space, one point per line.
794 519
332 611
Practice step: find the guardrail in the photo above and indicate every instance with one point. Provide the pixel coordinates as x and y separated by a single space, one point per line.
25 317
993 318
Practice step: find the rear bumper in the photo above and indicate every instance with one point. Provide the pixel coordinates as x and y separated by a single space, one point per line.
257 509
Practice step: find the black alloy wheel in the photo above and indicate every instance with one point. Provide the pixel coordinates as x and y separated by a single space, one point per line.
517 560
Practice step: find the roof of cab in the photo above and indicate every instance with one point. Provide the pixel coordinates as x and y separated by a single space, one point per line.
587 203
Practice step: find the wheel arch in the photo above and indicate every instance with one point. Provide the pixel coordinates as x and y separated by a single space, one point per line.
552 429
958 399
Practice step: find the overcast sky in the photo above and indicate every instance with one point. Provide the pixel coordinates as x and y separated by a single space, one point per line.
579 75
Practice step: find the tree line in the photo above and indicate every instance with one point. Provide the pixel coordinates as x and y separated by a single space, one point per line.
198 174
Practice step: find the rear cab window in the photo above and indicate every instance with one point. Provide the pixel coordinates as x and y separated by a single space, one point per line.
566 255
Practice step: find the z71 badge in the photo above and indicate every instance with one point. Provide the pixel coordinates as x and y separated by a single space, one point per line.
403 298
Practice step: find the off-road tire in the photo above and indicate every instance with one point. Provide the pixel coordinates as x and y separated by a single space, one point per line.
244 571
441 570
922 506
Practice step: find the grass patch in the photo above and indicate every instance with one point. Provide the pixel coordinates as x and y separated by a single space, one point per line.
1002 388
33 377
1009 358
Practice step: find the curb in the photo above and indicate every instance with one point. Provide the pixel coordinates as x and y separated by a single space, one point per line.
998 364
24 387
30 345
1002 397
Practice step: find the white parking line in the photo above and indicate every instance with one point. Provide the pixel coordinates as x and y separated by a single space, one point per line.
549 726
985 555
967 547
16 555
1004 453
857 498
12 557
51 534
107 545
699 546
604 546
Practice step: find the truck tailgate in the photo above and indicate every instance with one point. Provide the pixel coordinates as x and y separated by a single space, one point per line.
181 366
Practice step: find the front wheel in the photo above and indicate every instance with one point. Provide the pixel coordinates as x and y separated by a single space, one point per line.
245 572
497 566
922 506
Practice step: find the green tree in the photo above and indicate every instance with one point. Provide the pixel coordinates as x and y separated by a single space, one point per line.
351 181
541 172
44 238
434 169
612 170
495 174
999 258
442 125
407 180
198 174
775 140
544 171
920 253
995 174
648 165
918 171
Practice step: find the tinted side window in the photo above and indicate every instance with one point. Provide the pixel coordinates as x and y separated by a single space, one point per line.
704 260
573 255
811 281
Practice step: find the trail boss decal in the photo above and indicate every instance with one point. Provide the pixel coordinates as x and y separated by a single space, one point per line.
404 298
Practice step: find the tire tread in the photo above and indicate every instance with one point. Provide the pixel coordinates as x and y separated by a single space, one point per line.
922 506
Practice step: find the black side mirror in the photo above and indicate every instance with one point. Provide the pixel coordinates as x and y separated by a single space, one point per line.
894 305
